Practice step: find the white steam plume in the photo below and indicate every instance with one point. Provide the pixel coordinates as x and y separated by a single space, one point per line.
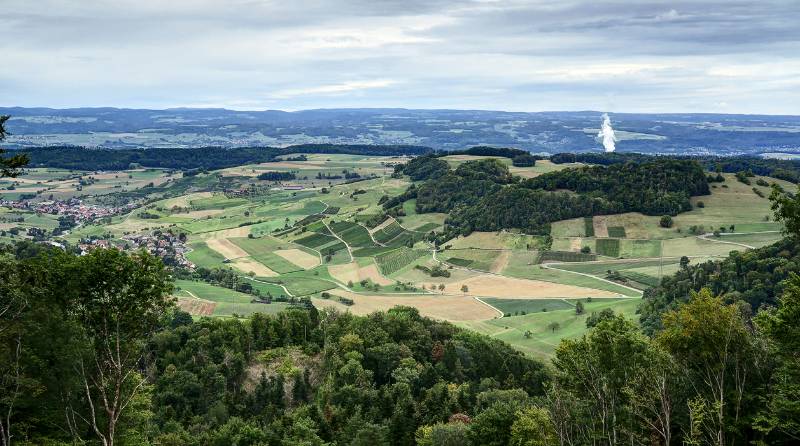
607 133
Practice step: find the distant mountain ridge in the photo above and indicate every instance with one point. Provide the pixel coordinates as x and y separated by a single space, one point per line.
538 132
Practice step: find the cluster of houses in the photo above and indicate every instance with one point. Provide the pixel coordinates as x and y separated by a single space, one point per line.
169 247
254 191
72 207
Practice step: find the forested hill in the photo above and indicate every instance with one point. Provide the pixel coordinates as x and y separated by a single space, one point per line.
209 158
784 169
483 196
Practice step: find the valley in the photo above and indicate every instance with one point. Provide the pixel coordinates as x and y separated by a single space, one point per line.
243 243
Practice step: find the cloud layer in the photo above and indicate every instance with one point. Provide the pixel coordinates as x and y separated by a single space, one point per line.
648 56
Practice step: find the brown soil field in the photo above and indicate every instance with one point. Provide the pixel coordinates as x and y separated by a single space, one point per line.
600 226
489 285
444 307
575 244
500 262
195 306
298 257
225 233
247 265
227 248
352 272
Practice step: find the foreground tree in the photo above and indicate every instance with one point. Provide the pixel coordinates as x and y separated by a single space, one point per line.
9 166
782 325
590 399
717 353
118 301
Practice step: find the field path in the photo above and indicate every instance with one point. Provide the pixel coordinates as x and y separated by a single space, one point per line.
349 249
493 308
269 283
505 287
716 240
638 292
370 235
385 223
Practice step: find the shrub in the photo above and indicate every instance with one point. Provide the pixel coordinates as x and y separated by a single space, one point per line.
666 221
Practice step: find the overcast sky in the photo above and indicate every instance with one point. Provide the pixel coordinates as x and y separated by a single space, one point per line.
722 56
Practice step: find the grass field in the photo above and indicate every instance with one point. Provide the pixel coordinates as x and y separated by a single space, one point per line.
293 248
227 303
543 340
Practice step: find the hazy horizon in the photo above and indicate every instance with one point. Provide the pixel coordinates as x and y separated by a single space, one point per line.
432 109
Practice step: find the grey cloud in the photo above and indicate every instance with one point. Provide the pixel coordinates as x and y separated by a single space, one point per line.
403 53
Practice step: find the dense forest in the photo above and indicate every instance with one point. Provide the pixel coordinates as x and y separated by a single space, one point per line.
92 351
656 187
208 158
482 195
788 170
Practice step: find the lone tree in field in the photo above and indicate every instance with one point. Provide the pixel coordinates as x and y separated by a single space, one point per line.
665 222
579 308
464 289
553 326
9 166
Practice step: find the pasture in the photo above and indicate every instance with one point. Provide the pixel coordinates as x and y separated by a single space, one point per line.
310 235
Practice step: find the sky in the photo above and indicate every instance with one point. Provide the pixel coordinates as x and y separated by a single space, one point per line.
724 56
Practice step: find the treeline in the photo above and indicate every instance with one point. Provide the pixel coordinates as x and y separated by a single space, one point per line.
482 195
205 158
276 176
788 170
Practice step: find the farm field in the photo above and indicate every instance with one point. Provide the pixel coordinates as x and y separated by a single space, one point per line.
543 339
209 300
327 238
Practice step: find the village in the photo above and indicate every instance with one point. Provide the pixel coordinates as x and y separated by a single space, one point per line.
169 247
73 207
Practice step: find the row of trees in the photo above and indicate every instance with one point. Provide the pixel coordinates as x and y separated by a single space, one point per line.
783 169
204 158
